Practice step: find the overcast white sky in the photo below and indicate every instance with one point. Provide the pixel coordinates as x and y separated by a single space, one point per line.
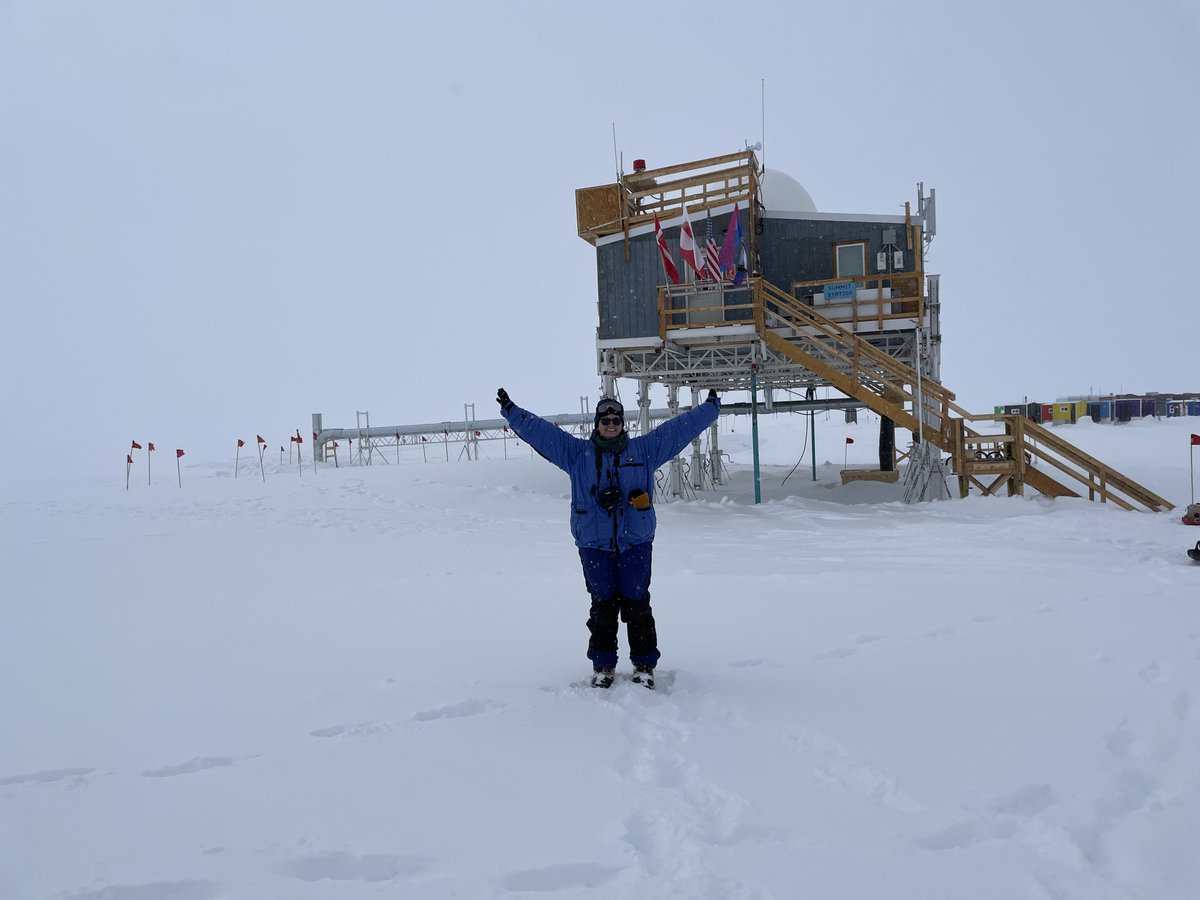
217 218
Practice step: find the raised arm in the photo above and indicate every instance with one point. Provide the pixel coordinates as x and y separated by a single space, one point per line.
668 439
545 437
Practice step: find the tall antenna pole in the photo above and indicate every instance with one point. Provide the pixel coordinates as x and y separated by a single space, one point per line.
763 94
616 163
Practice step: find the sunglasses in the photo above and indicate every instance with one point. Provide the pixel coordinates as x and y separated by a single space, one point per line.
611 420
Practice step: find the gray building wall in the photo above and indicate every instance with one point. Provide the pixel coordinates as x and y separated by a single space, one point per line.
802 249
789 250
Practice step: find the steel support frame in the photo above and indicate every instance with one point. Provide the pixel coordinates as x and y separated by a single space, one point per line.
726 367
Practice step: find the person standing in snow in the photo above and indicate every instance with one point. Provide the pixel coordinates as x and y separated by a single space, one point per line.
612 518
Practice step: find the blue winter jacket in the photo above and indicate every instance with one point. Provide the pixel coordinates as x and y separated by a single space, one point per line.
591 525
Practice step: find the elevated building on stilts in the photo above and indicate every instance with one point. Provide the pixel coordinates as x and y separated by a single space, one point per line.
802 300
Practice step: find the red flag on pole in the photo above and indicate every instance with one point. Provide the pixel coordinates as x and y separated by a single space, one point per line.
1195 440
178 471
241 443
128 459
687 243
135 445
849 440
178 453
150 447
261 439
665 252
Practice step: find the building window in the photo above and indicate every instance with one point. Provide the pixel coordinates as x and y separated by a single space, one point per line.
850 259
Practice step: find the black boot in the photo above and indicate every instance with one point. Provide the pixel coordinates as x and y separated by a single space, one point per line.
644 675
602 678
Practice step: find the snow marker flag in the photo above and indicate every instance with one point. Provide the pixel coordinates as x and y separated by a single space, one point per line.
178 453
261 439
1195 440
849 440
150 447
665 252
128 459
687 243
241 443
733 240
712 256
135 445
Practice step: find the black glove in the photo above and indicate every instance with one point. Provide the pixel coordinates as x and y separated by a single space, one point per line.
502 398
712 397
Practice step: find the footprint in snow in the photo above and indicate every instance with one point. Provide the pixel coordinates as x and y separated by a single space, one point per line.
1182 706
564 877
1152 672
197 764
354 729
154 890
48 776
343 866
456 710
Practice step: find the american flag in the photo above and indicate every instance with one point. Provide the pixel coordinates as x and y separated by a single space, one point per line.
712 256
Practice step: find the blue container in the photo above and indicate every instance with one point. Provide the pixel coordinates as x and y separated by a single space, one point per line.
1193 407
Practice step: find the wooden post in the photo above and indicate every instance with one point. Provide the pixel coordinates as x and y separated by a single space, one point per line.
1015 426
960 454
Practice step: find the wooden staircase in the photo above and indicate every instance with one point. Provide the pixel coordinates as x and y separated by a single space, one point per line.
1022 454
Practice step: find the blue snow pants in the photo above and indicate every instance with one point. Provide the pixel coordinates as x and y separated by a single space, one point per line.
619 582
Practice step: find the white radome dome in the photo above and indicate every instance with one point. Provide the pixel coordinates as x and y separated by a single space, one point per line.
784 193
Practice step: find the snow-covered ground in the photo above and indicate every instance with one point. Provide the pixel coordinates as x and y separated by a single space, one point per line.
368 682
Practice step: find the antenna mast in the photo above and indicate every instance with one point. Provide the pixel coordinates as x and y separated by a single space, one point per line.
763 96
616 161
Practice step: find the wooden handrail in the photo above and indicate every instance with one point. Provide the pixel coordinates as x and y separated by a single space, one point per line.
797 315
1109 477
